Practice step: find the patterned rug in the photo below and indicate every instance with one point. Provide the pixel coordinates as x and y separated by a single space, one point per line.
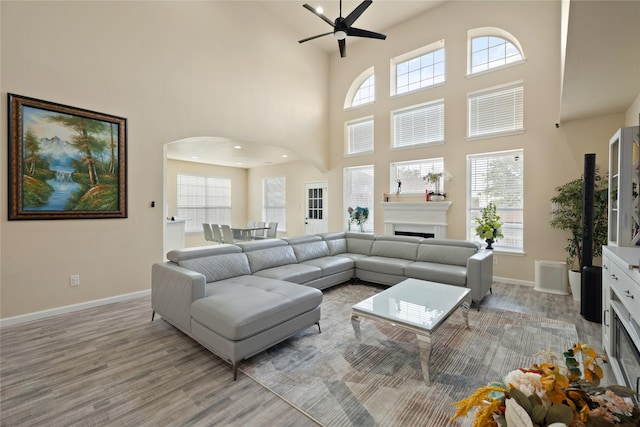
378 382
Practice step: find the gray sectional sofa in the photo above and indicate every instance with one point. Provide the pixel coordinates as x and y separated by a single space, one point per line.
240 299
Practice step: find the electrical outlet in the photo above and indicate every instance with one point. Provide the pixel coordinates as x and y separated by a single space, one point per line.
495 259
74 280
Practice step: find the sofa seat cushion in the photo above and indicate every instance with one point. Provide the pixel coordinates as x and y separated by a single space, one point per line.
296 273
386 265
237 310
329 265
436 272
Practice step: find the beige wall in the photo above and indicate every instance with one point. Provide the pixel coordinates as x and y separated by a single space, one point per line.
552 156
174 70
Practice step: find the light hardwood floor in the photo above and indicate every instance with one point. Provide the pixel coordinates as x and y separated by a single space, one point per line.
111 365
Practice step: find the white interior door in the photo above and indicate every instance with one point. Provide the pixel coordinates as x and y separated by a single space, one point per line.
315 220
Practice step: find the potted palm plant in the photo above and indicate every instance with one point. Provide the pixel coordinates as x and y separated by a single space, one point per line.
567 215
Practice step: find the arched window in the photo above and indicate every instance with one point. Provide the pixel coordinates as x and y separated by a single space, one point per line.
491 48
362 90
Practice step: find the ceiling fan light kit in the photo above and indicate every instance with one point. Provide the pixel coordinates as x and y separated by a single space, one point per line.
342 27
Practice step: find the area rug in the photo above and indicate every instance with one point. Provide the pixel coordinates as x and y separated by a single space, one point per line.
338 381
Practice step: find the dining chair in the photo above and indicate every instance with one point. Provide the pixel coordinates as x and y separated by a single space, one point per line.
251 224
273 230
227 234
217 234
208 235
259 234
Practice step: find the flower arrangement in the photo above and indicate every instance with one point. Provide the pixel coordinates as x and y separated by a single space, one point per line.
489 225
546 395
436 178
358 216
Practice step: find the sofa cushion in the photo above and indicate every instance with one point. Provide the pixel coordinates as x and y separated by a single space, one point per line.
272 257
183 254
296 273
443 254
219 267
254 245
437 272
359 243
305 251
395 249
337 246
386 265
239 310
329 265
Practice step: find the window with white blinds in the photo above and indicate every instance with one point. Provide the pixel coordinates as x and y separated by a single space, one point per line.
411 174
359 192
274 201
496 111
498 178
359 136
366 93
203 199
419 125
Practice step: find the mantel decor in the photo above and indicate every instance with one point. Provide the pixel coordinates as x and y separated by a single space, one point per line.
65 162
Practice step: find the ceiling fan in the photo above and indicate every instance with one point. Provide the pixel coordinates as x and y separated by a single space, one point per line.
342 27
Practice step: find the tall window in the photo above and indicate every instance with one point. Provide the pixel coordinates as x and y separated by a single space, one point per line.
496 111
274 201
359 136
358 192
366 93
419 125
491 48
204 199
411 174
418 69
498 178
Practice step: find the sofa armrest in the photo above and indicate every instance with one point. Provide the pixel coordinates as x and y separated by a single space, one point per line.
173 289
480 274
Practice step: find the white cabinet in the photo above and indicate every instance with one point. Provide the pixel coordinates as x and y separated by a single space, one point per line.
624 197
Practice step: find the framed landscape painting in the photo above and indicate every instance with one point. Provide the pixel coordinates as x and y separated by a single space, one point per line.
65 162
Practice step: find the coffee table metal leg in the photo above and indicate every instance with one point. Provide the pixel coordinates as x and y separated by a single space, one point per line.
466 304
355 322
424 344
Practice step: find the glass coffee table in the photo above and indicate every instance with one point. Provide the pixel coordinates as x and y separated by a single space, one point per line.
415 305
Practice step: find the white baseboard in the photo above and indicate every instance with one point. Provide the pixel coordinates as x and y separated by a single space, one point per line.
513 281
70 308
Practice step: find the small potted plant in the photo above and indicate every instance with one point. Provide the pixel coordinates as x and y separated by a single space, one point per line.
436 178
489 225
358 216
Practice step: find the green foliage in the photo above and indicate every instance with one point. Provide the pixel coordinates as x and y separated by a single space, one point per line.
489 224
567 215
36 192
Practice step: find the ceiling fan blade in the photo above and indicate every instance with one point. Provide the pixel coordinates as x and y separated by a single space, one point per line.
357 32
314 37
343 48
355 14
315 12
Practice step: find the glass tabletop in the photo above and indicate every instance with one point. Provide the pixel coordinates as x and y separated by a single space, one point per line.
416 303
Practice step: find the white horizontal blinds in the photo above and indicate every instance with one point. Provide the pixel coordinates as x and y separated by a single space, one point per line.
498 178
359 189
274 209
366 93
491 52
496 111
411 174
203 199
419 125
360 137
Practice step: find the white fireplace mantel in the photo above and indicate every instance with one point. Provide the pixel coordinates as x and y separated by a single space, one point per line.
417 217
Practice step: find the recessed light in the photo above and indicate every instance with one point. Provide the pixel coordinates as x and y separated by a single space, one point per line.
237 147
194 157
284 156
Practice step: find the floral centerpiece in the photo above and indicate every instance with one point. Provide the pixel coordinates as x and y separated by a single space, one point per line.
546 395
489 225
358 216
436 178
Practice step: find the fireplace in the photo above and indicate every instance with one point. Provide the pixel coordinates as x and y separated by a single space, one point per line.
419 218
415 234
626 357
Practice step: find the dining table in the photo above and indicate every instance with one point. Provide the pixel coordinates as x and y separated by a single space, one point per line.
246 233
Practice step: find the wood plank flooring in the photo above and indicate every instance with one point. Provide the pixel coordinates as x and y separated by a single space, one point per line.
111 365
